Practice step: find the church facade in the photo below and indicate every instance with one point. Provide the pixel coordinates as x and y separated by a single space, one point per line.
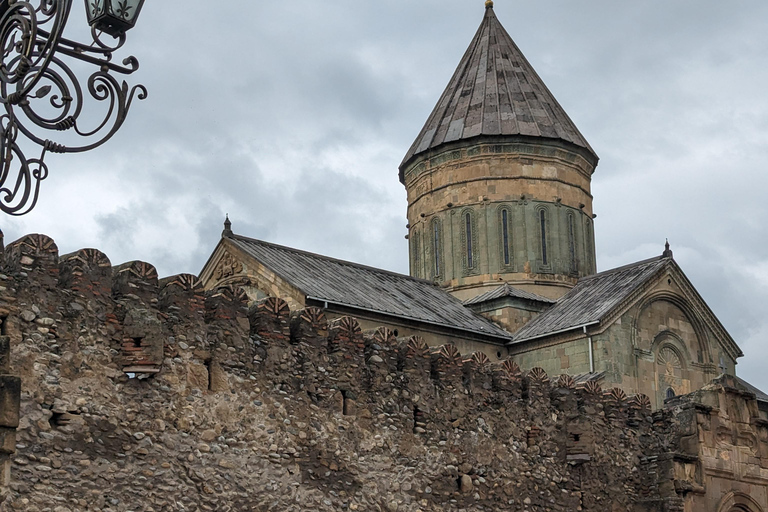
502 251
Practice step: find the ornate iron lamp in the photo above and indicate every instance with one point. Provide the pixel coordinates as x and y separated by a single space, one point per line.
114 17
43 98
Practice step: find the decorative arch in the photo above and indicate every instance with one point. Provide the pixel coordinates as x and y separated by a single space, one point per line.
573 259
506 247
543 229
436 236
684 305
415 241
588 243
736 501
670 356
469 243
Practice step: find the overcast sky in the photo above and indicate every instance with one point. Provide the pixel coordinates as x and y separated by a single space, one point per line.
293 117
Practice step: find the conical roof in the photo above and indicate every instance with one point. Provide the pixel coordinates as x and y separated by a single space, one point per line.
495 92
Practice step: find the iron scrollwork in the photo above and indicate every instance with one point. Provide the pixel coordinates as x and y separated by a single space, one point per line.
43 98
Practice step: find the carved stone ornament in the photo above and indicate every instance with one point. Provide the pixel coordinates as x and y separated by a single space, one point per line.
228 266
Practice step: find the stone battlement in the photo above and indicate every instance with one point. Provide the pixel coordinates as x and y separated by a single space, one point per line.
141 393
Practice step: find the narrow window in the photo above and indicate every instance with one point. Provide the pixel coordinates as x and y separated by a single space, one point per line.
572 243
436 246
543 221
468 221
209 368
415 243
505 235
344 403
588 247
670 393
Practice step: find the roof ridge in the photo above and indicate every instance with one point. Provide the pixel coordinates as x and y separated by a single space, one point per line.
331 258
623 267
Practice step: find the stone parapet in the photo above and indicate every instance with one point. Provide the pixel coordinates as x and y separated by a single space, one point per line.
226 407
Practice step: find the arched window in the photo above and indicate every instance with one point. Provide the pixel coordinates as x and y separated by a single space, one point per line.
506 245
416 249
572 243
543 233
437 246
670 393
588 242
468 235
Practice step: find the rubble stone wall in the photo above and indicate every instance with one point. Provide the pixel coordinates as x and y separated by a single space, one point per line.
140 394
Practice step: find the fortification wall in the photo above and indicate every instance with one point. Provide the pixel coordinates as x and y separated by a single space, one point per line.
140 394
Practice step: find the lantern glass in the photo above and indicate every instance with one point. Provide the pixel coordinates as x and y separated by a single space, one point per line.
114 17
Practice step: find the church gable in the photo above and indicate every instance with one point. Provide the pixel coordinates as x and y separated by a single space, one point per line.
665 341
644 325
228 265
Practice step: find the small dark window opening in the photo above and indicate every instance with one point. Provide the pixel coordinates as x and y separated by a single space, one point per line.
209 368
468 221
669 281
543 222
395 333
576 438
344 403
3 325
498 354
505 235
418 419
61 419
670 393
137 342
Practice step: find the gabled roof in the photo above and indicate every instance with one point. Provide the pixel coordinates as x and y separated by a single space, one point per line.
595 297
357 286
495 91
507 291
591 299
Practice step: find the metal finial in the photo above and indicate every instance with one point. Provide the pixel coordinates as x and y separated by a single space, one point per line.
227 227
489 4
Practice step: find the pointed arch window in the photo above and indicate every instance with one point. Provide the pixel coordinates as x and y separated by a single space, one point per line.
543 234
469 245
416 249
572 243
588 243
506 238
437 245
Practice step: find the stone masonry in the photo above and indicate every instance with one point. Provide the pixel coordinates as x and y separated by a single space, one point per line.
140 394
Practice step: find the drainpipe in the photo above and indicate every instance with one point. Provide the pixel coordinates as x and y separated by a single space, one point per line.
591 353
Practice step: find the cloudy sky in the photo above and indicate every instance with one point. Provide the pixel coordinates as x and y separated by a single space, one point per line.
293 117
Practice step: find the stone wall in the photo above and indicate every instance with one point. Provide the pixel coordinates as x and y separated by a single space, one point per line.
10 398
141 394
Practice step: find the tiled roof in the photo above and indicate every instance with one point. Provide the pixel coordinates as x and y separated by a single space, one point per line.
591 299
507 291
495 91
366 288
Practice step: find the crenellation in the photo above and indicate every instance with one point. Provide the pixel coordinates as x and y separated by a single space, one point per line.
309 325
31 253
87 271
135 280
310 405
270 320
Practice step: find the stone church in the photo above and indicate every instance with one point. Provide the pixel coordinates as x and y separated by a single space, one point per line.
502 248
503 374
